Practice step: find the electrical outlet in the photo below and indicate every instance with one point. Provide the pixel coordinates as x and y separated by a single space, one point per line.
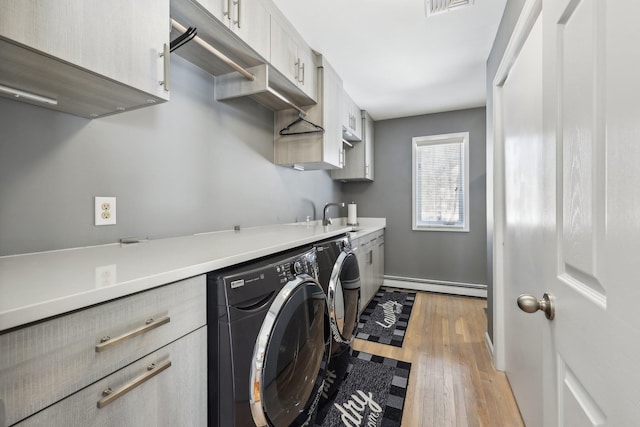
105 275
105 210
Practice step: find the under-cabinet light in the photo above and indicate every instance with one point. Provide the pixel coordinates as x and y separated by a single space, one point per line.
30 96
298 167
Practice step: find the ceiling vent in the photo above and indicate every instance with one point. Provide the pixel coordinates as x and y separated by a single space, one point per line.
436 7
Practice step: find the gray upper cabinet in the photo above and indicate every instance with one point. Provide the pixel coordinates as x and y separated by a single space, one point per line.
351 119
249 19
319 150
292 56
359 159
85 58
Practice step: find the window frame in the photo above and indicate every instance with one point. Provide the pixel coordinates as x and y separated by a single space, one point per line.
459 137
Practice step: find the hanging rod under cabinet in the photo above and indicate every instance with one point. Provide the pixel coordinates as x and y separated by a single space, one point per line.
231 63
224 58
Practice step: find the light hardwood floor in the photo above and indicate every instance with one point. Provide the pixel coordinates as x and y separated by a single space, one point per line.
452 381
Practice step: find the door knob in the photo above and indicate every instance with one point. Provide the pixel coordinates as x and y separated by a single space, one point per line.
531 304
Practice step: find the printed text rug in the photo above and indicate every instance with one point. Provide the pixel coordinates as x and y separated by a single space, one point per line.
386 317
372 394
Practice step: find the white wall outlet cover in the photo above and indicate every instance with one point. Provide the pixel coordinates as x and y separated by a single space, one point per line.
105 211
105 276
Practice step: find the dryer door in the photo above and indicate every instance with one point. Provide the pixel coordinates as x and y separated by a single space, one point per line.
290 357
344 297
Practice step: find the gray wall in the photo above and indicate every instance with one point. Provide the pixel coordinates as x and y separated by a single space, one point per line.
189 165
435 255
509 19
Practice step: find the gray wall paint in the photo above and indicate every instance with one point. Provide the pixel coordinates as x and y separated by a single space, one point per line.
189 165
509 19
436 255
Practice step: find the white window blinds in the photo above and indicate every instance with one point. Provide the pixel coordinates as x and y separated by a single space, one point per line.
440 182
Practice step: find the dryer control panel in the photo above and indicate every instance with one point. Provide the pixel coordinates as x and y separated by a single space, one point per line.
302 264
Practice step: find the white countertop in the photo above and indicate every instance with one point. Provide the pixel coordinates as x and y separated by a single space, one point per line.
40 285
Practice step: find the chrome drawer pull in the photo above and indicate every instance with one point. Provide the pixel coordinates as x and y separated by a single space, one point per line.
107 342
110 395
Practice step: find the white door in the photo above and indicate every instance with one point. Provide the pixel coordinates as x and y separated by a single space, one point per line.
525 213
592 114
584 240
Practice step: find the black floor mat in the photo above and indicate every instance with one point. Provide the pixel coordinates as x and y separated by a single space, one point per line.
386 317
372 394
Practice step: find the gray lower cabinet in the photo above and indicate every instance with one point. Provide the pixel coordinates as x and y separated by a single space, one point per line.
380 259
48 362
88 58
369 250
166 388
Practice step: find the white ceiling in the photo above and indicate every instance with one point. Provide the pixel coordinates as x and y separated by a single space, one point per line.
396 62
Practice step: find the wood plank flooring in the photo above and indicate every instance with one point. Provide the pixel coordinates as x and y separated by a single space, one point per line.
452 381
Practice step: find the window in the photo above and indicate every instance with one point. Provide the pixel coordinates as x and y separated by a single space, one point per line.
441 182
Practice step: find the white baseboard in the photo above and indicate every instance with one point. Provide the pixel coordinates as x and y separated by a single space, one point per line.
487 340
453 288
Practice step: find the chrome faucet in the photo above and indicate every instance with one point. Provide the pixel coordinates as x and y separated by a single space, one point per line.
325 220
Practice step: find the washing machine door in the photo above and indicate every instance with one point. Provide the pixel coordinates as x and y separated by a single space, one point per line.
290 356
343 297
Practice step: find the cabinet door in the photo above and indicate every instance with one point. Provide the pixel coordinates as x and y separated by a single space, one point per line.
380 261
252 22
166 388
357 120
331 96
284 50
367 139
220 9
307 75
119 39
351 119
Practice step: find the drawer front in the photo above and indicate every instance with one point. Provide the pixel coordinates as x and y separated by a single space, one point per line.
173 393
46 362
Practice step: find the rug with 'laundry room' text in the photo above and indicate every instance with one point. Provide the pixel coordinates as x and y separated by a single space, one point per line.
372 394
386 317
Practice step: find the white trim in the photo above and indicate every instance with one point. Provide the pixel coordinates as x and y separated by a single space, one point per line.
530 12
487 341
458 138
453 288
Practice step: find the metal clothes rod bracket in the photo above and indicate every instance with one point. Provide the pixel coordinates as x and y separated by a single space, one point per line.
224 58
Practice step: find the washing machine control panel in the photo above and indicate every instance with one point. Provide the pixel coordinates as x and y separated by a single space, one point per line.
303 264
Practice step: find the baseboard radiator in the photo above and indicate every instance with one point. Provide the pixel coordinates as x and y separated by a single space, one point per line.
453 288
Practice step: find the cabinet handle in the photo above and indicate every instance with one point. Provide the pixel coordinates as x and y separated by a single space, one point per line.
166 56
302 68
108 342
366 171
227 13
297 65
152 371
237 4
370 257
